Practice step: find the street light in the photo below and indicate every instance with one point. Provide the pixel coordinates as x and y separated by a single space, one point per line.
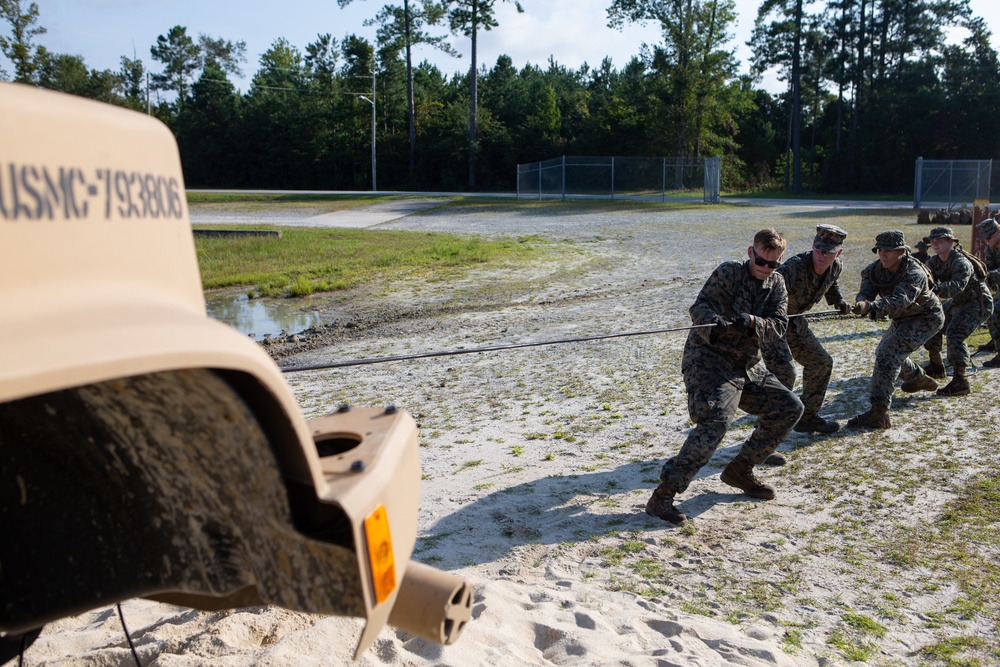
374 189
372 102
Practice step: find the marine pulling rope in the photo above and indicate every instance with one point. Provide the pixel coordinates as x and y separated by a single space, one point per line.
514 346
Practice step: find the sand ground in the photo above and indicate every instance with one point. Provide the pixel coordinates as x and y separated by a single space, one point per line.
538 462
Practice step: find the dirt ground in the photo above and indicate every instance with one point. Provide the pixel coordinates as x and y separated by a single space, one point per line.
537 464
577 432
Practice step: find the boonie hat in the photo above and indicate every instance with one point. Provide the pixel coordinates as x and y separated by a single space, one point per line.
987 228
829 237
940 233
922 244
890 240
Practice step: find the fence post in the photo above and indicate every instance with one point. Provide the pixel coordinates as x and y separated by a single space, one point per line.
989 177
539 180
518 178
564 178
951 181
612 178
663 182
917 183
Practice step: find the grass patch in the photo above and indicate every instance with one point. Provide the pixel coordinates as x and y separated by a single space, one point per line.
615 555
816 196
304 261
469 464
852 647
864 625
954 652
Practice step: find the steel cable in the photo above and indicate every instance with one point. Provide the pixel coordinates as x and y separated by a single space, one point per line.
513 346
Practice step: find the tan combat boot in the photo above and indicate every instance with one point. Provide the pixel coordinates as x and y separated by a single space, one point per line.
876 417
920 383
935 367
661 505
959 385
739 473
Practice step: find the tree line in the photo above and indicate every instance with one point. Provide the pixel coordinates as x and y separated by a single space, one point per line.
871 86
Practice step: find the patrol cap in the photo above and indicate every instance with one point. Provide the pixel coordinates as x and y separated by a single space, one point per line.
890 240
829 237
987 228
940 233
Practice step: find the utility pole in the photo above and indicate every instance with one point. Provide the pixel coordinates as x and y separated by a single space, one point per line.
374 188
372 102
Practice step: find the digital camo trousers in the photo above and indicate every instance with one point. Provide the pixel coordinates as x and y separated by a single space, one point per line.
959 323
892 356
712 404
817 364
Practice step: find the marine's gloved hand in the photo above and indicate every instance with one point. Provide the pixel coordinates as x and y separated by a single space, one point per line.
843 307
743 322
861 308
875 313
722 326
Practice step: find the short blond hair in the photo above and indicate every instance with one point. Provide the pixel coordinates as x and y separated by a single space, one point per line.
770 239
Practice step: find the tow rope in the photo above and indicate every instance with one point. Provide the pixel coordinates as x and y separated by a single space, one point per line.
513 346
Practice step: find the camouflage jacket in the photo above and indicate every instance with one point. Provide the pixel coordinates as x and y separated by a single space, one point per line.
905 293
956 279
805 288
991 256
729 292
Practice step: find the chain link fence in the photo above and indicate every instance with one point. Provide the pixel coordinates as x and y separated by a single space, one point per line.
951 183
621 177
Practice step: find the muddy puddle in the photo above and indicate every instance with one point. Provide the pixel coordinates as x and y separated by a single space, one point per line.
263 316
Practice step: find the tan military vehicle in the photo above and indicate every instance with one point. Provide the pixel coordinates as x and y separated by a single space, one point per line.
149 451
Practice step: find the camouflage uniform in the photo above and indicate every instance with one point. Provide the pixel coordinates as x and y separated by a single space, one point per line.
992 259
967 304
805 289
722 372
916 314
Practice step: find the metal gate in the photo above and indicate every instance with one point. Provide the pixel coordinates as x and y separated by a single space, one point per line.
621 177
951 183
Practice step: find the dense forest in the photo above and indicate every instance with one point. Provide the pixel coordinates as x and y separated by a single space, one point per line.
871 86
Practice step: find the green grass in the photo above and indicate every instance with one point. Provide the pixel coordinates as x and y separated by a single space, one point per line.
953 652
303 261
814 196
469 464
864 624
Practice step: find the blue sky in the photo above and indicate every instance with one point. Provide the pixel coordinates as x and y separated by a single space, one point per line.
571 31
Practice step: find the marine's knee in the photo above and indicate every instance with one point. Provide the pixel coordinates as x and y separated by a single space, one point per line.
787 405
794 406
821 366
710 430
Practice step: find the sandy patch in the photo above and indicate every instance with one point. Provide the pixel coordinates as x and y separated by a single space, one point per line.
538 463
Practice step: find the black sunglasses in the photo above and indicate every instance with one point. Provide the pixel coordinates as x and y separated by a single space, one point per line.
759 261
825 252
